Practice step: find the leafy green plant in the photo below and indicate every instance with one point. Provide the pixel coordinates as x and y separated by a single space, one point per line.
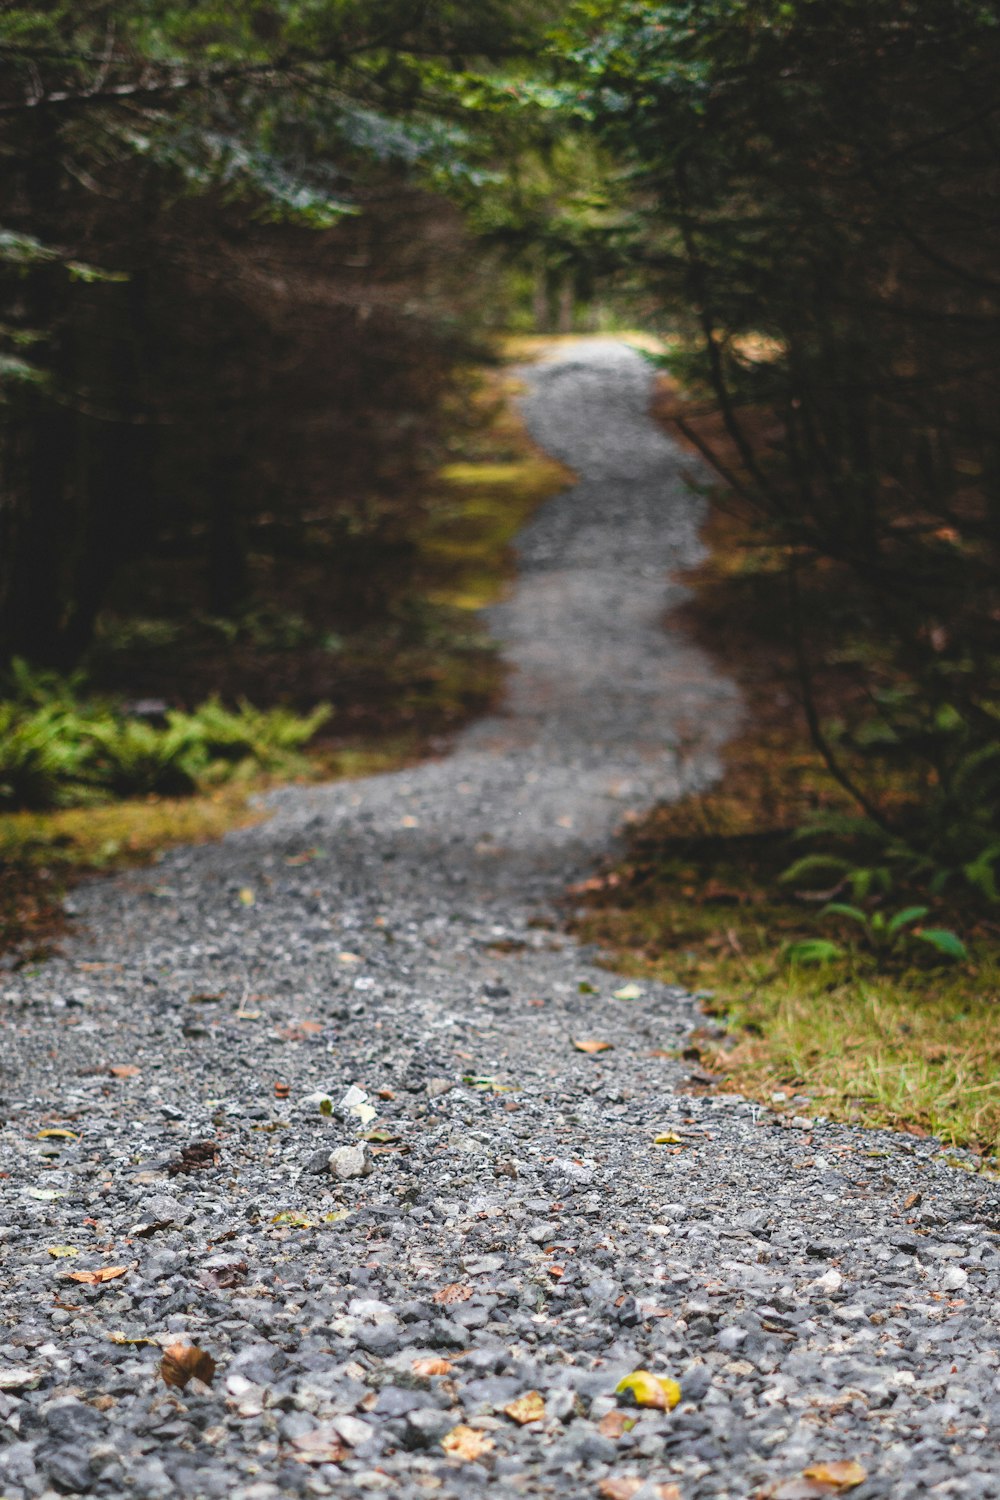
812 951
42 757
264 739
59 748
132 758
885 934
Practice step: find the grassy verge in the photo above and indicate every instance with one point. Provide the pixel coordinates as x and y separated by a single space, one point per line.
895 1038
400 676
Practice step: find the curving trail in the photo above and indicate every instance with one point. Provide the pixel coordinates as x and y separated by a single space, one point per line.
812 1307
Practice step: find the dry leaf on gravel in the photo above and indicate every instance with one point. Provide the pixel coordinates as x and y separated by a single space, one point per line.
619 1487
668 1138
624 1486
124 1070
184 1362
143 1231
839 1474
194 1158
592 1046
232 1274
431 1365
796 1488
323 1445
527 1408
95 1278
57 1135
61 1252
466 1443
646 1389
614 1423
453 1292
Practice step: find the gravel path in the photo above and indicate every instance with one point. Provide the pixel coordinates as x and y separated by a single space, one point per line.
820 1293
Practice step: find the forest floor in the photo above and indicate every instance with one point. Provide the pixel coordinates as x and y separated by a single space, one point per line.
336 1102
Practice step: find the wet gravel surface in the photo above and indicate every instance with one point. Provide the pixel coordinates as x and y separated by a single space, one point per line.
373 983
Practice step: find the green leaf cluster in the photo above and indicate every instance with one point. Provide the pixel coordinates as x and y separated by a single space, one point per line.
61 748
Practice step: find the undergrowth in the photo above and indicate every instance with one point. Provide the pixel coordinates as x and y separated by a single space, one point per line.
844 977
902 1039
87 786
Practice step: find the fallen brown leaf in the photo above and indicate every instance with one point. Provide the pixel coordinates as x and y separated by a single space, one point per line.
527 1408
795 1489
429 1366
143 1231
225 1277
591 1046
323 1445
194 1158
619 1487
839 1474
184 1362
94 1278
453 1292
281 1091
124 1070
466 1443
614 1423
624 1486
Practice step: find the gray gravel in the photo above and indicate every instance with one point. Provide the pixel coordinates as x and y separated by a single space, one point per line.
821 1293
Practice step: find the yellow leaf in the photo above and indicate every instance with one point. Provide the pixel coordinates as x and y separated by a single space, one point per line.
184 1362
247 896
127 1338
295 1221
650 1390
842 1474
591 1046
527 1408
667 1139
95 1278
60 1252
466 1443
57 1135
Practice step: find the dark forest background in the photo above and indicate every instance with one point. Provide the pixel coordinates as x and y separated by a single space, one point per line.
249 255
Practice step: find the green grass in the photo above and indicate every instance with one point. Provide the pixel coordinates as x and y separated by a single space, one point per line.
902 1041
